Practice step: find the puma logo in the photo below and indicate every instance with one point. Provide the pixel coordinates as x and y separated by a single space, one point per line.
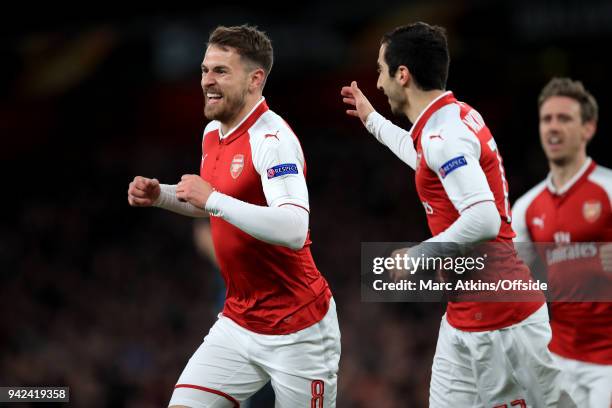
539 221
267 135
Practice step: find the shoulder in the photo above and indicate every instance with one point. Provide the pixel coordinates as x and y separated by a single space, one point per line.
272 130
446 133
212 126
271 140
602 176
524 202
449 122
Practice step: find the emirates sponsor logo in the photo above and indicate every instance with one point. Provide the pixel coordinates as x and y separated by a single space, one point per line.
570 252
591 210
237 166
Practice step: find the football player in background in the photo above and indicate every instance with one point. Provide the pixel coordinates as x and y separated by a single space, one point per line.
571 208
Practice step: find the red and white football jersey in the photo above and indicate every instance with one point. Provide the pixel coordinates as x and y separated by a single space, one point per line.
270 289
574 217
458 165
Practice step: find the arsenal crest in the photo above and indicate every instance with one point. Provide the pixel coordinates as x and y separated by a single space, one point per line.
237 165
591 210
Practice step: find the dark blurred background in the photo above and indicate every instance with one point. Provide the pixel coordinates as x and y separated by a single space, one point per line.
112 300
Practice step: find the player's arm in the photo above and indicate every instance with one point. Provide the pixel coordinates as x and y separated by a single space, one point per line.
523 241
146 192
455 158
284 221
398 140
456 161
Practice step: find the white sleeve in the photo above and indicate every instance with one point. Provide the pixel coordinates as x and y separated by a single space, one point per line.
478 223
280 163
454 155
519 222
168 201
523 242
286 225
398 140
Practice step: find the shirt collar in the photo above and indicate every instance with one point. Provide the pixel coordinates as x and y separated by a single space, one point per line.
441 100
569 184
253 114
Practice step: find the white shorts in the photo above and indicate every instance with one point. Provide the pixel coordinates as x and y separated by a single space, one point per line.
233 363
506 368
590 385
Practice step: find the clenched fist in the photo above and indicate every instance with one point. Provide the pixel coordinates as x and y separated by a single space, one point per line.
193 189
143 192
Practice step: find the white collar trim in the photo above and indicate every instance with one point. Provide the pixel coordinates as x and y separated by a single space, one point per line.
437 98
559 191
222 136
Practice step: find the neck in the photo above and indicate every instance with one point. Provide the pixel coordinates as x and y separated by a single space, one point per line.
418 101
250 102
563 172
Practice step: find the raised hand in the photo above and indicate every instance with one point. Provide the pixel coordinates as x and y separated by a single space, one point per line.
352 95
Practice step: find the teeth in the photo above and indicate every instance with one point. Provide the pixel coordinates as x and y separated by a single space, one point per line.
554 140
213 95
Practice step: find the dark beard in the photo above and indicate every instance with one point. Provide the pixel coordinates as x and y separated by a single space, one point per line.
232 107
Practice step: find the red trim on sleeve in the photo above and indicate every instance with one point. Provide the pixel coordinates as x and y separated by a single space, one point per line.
477 202
212 391
297 205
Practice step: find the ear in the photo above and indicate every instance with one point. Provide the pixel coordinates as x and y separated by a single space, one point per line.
589 130
403 75
257 78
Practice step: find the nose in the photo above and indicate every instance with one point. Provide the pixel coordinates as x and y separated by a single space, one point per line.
207 80
553 125
379 84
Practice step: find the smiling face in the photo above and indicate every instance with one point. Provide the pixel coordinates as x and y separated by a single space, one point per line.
225 83
563 134
390 85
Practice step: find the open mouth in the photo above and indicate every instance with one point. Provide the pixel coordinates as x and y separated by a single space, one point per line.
554 141
213 97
